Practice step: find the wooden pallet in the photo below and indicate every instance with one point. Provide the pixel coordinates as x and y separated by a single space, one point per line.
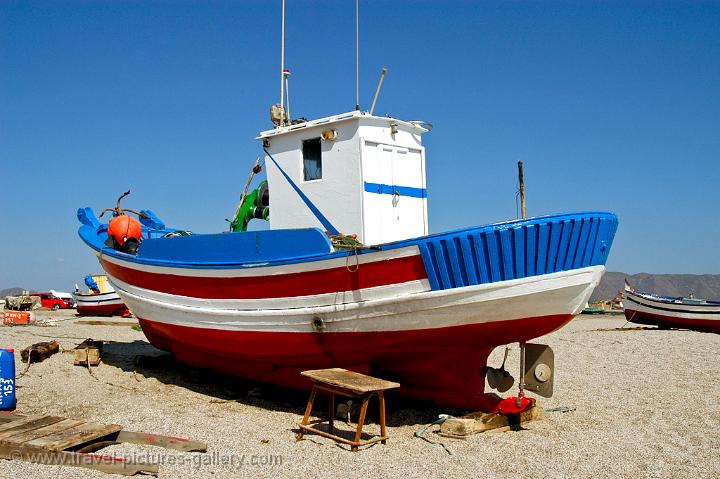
57 440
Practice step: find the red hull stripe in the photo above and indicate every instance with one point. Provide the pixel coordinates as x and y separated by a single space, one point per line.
368 275
102 310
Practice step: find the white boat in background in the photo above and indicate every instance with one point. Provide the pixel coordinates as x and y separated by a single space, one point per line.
669 312
106 302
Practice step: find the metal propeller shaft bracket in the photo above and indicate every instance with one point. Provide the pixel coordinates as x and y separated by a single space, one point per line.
538 369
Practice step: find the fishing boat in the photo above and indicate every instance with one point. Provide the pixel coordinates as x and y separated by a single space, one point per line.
671 312
347 273
102 300
426 309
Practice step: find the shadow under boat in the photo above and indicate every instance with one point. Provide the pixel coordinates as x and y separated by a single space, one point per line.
142 358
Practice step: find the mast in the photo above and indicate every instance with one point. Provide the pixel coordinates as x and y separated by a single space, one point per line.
522 189
282 62
286 74
357 55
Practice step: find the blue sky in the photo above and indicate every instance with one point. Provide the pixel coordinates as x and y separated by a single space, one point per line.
611 106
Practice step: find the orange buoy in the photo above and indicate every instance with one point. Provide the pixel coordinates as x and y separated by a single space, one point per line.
124 227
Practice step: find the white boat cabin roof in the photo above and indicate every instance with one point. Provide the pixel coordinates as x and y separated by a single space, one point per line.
418 127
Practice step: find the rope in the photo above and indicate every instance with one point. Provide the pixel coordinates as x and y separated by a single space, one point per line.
419 434
87 359
561 409
341 241
106 382
26 367
357 262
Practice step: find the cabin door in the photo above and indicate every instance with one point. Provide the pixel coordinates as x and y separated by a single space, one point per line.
394 206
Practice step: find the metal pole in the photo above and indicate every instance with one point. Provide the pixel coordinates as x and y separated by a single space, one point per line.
377 92
522 189
357 55
521 384
287 93
282 62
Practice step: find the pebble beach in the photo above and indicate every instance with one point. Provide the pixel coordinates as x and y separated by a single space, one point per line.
628 402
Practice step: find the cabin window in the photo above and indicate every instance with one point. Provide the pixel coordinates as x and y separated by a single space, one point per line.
312 159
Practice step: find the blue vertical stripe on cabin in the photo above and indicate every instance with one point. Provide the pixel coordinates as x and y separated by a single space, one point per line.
517 250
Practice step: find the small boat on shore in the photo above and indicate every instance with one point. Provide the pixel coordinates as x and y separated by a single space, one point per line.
669 312
100 300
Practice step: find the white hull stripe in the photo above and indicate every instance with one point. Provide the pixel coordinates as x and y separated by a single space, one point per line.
327 299
563 293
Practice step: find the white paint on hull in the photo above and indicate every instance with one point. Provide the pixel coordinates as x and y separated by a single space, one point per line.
552 294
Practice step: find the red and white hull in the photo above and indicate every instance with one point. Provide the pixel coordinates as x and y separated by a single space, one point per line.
103 304
269 323
644 309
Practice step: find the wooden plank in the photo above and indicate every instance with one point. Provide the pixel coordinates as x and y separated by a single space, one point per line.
28 424
6 417
355 382
79 435
16 420
107 464
26 436
168 442
58 436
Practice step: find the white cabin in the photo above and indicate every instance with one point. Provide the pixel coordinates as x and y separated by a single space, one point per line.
365 173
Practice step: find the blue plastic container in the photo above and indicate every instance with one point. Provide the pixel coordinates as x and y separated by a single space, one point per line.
7 380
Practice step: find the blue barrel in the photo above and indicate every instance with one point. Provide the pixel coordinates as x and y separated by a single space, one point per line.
7 380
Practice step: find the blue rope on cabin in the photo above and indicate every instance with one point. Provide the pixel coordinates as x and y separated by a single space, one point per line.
324 221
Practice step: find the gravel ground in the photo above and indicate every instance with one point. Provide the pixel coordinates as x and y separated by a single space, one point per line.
645 404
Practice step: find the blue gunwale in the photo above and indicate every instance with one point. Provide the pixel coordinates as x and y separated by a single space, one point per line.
478 254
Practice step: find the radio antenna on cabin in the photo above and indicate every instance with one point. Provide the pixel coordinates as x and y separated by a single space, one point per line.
282 64
286 75
277 111
377 92
357 55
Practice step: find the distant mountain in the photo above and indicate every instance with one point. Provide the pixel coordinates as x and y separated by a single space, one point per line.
705 286
10 292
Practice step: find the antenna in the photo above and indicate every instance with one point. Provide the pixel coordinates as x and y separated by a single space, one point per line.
357 55
286 74
277 111
282 60
377 92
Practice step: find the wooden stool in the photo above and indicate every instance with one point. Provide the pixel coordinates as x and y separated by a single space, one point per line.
350 384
